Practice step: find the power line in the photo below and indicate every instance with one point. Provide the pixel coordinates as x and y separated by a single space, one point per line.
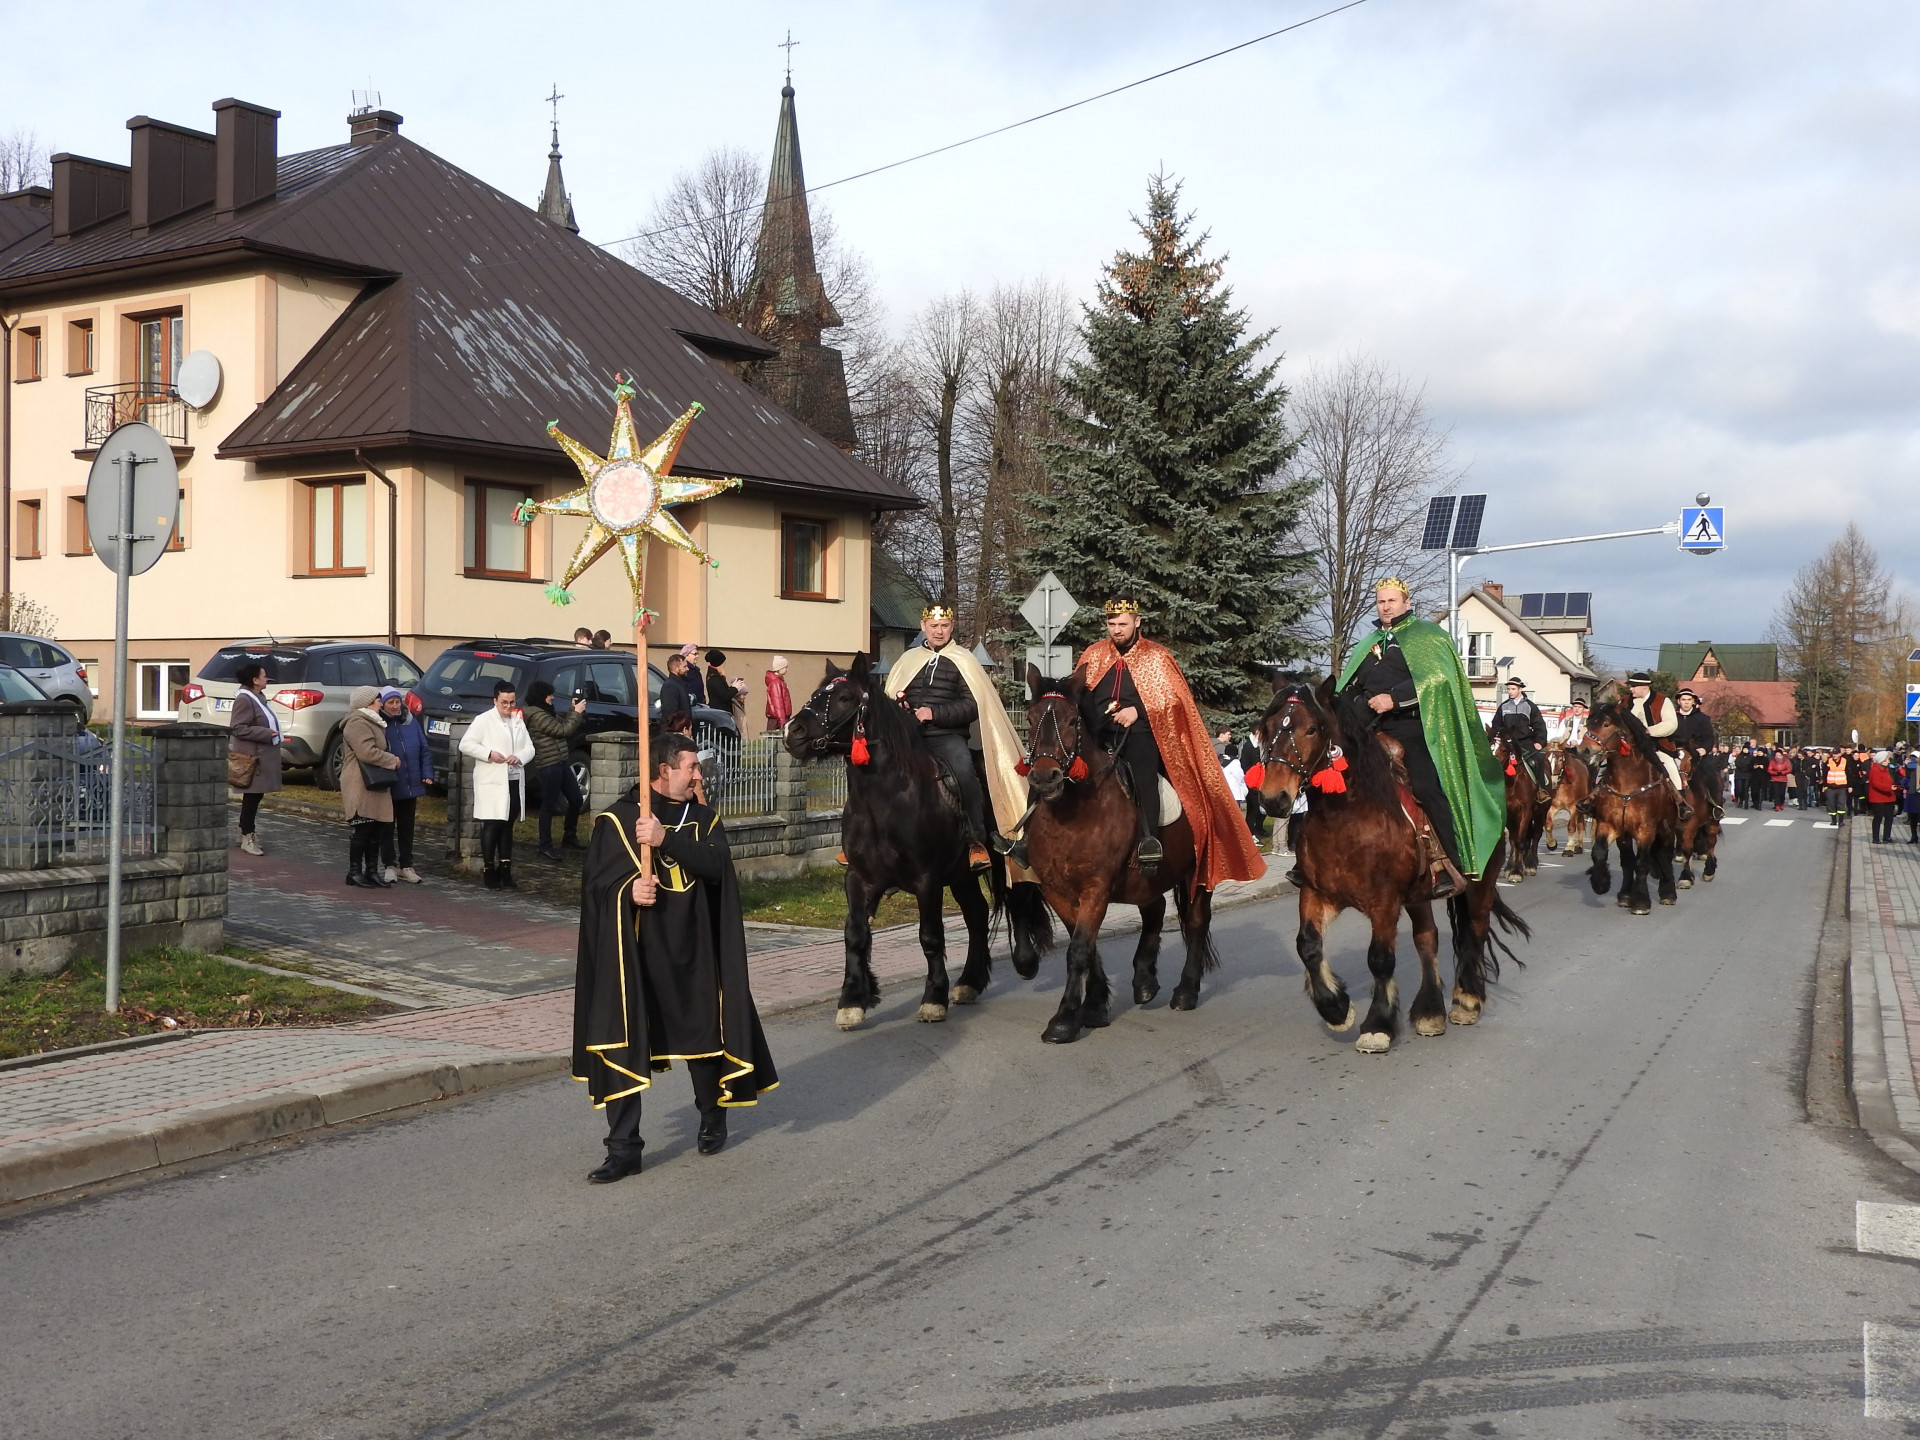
1017 124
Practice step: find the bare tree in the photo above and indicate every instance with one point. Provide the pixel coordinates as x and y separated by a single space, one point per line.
23 615
939 357
1375 457
1836 631
23 161
702 236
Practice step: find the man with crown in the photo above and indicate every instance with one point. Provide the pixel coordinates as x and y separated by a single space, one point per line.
1136 705
1409 675
942 684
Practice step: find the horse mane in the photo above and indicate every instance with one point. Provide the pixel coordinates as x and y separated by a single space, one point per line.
890 724
1369 772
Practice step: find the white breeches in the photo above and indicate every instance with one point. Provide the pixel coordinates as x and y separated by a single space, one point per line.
1673 769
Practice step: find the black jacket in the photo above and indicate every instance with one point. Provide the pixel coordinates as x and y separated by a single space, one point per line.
719 689
1695 732
676 697
941 688
1523 722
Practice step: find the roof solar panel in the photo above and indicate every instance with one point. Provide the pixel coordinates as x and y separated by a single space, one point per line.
1579 601
1556 605
1530 605
1466 524
1439 522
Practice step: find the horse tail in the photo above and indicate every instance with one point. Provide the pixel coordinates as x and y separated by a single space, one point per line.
997 892
1198 932
1470 951
1029 909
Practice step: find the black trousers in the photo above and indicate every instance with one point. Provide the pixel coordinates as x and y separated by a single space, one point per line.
623 1115
1256 813
1140 753
558 788
1882 820
364 841
249 813
1422 778
496 836
396 846
952 751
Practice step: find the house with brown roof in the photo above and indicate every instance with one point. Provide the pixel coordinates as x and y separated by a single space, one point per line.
392 337
1537 634
1739 687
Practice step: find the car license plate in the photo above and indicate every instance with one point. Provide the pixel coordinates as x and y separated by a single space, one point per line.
439 727
223 704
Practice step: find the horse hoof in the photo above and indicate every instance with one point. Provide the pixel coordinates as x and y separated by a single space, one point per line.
1684 884
1145 994
1183 998
1026 969
1669 900
931 1014
1347 1024
1094 1019
1463 1015
850 1018
1533 870
1707 878
965 995
1429 1024
1373 1042
1642 910
1060 1032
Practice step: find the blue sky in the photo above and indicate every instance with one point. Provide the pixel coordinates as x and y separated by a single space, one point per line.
1635 250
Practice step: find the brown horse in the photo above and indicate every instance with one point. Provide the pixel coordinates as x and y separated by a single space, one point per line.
1526 811
1633 802
1568 784
1080 841
1358 851
1698 836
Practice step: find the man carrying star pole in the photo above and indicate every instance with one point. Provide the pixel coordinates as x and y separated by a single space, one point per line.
1136 705
1410 677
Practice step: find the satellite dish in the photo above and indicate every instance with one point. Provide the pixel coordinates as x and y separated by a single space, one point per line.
199 379
156 496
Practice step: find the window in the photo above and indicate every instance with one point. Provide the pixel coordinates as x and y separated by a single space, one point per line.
76 539
337 527
351 668
1709 671
496 543
29 534
29 354
80 352
157 688
395 668
159 341
25 653
612 682
1480 655
803 559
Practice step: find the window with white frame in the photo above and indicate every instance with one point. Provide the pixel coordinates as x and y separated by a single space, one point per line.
157 686
1479 656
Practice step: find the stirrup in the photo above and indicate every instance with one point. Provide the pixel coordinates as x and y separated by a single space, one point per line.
1149 852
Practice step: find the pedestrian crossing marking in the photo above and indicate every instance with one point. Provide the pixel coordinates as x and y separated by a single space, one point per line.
1772 823
1825 825
1893 1371
1733 820
1887 1229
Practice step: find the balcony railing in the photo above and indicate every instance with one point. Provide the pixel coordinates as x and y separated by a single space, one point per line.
111 406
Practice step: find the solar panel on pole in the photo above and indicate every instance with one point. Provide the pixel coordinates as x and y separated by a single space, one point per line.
1439 522
1466 524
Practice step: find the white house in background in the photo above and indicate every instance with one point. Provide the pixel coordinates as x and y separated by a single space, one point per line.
1539 632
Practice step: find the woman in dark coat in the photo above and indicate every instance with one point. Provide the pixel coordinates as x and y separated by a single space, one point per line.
368 808
407 738
256 733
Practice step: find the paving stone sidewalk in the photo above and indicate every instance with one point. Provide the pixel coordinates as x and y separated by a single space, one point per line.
1883 908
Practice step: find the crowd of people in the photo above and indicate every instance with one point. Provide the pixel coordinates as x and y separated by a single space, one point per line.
1846 781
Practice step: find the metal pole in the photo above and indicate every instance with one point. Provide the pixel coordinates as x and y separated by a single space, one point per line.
1453 598
1672 527
122 583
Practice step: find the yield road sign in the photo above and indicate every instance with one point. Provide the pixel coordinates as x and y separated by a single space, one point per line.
1048 608
1703 528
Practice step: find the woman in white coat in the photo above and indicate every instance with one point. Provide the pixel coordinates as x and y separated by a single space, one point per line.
501 750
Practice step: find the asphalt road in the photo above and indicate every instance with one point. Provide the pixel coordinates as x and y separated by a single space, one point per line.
1601 1212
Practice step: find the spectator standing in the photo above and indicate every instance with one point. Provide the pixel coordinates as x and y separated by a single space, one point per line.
1838 807
501 749
1857 765
368 771
256 736
407 738
738 705
719 688
676 692
779 698
1910 796
1881 795
553 735
1779 771
1251 767
602 640
1742 775
583 637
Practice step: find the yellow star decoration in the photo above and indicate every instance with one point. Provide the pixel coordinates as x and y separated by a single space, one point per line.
625 498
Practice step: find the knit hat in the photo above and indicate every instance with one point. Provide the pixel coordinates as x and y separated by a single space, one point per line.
362 697
391 692
778 665
689 652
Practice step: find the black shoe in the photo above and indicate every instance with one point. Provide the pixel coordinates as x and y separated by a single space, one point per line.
376 879
355 878
506 881
547 852
615 1167
713 1133
491 879
572 842
1149 853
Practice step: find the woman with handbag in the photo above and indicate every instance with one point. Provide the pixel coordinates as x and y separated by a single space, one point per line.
368 771
253 752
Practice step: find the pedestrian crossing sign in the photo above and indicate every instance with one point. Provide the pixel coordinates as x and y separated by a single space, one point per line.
1913 702
1703 528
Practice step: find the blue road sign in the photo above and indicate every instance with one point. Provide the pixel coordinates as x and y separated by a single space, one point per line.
1913 702
1703 528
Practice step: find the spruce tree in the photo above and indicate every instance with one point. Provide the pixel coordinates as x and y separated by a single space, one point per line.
1166 481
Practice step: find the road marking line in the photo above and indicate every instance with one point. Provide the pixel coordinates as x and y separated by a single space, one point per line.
1887 1229
1772 823
1734 820
1893 1371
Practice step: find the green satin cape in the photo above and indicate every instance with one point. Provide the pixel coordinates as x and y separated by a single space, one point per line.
1476 790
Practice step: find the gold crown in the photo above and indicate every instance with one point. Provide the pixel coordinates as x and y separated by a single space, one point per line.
1392 582
1123 607
937 612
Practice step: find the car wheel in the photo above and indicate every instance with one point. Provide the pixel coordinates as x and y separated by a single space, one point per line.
327 773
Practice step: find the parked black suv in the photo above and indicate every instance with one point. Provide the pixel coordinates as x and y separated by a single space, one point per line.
459 685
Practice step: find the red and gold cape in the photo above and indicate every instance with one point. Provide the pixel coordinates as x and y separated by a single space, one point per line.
1220 836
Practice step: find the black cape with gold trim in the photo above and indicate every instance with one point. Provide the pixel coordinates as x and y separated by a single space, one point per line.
668 982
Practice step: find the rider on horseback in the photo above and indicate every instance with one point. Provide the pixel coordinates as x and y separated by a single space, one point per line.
1661 720
1694 735
1117 718
1410 676
1519 720
932 684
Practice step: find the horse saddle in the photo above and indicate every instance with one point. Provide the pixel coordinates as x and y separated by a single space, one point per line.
949 785
1410 807
1170 809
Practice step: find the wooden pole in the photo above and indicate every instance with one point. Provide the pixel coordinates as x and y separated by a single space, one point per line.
645 749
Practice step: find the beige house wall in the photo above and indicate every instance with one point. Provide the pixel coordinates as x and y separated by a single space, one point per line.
1550 688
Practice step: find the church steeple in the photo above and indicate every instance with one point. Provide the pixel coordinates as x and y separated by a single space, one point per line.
556 206
787 305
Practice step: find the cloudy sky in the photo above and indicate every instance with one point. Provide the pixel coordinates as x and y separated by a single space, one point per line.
1635 249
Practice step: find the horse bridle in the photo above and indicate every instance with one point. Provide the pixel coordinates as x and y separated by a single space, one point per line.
1293 760
1603 767
1065 756
817 705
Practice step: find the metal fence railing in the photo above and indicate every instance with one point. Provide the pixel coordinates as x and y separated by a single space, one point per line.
56 802
827 785
750 778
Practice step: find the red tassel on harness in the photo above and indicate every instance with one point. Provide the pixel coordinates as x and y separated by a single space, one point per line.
1330 780
1256 777
859 755
1022 768
1625 748
1077 770
1512 769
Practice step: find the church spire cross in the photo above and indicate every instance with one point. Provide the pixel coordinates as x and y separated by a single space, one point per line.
554 100
556 206
787 45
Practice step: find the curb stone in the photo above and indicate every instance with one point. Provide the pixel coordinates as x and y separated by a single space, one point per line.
1872 1031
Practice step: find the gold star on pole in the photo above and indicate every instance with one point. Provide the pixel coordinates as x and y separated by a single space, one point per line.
625 498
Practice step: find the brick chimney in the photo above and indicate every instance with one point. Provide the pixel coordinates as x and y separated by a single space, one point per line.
1498 592
172 171
85 192
369 127
246 159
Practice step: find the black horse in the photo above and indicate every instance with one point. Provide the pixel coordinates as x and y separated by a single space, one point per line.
903 830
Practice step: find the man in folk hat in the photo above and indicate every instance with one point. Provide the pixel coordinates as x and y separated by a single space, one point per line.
1410 677
1135 703
1693 735
1661 720
1571 728
1525 728
937 682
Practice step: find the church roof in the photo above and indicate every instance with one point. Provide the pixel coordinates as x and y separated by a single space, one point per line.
788 280
556 206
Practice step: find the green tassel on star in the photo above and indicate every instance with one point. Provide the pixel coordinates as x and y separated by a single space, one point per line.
559 595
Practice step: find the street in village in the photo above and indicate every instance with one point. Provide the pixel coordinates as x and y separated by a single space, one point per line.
1631 1202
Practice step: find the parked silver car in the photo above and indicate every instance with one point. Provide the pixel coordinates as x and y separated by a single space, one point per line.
308 683
51 668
